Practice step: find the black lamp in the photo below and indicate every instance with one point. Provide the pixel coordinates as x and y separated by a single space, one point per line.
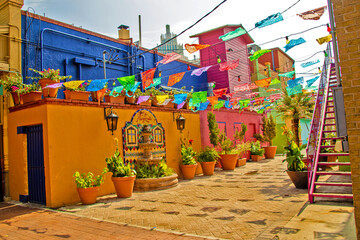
180 122
111 120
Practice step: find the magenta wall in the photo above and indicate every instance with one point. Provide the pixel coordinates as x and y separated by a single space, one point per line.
231 119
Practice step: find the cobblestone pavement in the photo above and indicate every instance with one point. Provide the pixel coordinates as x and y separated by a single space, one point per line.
251 202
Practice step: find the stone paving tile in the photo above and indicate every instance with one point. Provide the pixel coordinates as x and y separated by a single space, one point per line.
247 203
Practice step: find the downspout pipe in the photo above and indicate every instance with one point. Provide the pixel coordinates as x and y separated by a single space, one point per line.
72 36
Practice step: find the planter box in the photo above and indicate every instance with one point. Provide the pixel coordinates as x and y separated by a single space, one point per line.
111 99
94 96
241 162
130 100
149 184
256 158
17 98
146 103
77 95
48 92
31 97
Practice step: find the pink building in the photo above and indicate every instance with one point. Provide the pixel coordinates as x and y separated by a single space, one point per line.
228 120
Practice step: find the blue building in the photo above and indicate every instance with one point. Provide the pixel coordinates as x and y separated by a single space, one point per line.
47 43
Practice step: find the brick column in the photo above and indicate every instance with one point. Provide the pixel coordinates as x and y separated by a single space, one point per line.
347 18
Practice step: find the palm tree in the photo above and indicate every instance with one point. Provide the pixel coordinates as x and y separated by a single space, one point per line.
295 107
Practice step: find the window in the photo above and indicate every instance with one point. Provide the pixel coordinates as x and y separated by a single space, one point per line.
131 135
158 135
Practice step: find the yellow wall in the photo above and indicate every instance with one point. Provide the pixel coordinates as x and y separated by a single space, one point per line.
76 139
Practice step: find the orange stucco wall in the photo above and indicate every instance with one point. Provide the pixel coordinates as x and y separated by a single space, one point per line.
76 139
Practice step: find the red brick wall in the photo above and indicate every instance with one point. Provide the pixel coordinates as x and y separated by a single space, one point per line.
347 18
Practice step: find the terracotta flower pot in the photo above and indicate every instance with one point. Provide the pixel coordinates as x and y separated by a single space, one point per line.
228 161
48 92
124 186
208 168
97 96
88 195
130 100
31 97
17 98
270 152
256 158
247 154
118 99
77 95
299 179
240 162
188 171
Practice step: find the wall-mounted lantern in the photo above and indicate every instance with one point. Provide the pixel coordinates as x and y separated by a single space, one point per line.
180 121
111 119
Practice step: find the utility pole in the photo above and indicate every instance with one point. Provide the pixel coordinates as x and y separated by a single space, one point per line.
140 42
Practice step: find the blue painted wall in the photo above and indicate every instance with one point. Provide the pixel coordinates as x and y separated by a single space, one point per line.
48 45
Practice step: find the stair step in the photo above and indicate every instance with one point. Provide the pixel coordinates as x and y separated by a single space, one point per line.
333 195
332 138
333 154
330 124
327 146
334 163
330 101
333 173
329 118
333 184
330 112
329 131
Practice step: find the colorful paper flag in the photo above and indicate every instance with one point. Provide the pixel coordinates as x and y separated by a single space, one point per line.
147 78
230 35
213 100
258 54
311 81
161 98
269 20
73 84
293 43
179 98
191 48
264 83
199 97
132 89
199 71
228 104
314 14
116 91
272 90
287 74
203 106
275 81
220 104
229 65
181 105
324 39
293 82
96 85
128 81
55 85
142 99
245 87
169 58
252 95
174 78
220 92
295 90
165 102
156 82
307 64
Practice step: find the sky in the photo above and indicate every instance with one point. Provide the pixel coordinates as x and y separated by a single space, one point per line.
105 16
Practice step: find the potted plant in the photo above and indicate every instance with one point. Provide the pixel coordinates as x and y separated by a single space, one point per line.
207 158
139 93
242 148
269 133
228 153
188 163
123 176
77 93
117 97
256 151
88 186
296 169
49 77
14 85
31 92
